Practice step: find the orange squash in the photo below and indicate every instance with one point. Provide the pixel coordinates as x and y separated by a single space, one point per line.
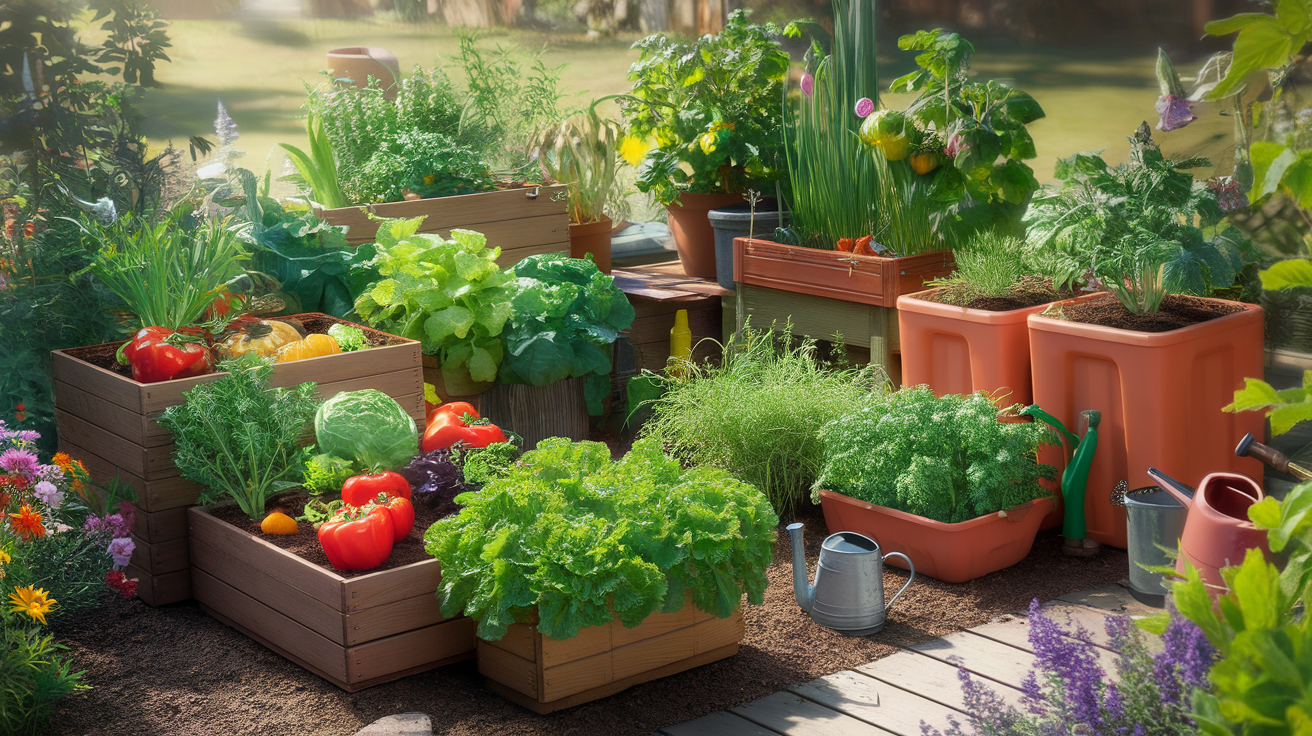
313 346
279 523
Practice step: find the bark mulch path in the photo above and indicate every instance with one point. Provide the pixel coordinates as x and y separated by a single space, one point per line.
175 671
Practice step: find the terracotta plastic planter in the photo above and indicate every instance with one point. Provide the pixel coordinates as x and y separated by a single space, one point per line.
833 274
593 238
1160 395
955 350
693 236
953 553
358 63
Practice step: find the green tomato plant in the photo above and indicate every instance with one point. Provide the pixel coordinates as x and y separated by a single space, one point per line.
712 107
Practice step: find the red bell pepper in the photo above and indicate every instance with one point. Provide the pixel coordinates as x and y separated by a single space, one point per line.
362 489
458 421
402 513
155 354
358 538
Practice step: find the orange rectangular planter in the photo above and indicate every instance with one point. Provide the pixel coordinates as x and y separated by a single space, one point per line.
1160 395
834 274
955 350
953 553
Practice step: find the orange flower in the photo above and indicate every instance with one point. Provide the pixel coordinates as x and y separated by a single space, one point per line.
62 460
33 601
26 524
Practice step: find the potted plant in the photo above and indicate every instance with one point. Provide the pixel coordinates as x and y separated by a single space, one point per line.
1158 364
582 152
938 479
711 105
565 314
607 574
969 332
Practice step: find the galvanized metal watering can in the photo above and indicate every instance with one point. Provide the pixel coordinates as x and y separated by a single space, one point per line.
848 595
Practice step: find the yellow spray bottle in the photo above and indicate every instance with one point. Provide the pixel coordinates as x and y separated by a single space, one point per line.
680 343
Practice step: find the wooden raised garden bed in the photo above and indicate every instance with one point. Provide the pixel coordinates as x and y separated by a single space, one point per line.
354 632
108 421
546 675
832 274
521 222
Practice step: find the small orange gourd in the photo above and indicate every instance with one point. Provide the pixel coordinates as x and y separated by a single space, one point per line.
279 523
923 162
313 346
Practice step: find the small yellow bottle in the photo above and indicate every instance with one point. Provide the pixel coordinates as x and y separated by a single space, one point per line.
680 344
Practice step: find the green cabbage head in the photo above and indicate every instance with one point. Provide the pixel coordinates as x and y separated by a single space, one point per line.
367 427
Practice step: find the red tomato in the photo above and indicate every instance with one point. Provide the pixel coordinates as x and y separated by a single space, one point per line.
358 539
361 489
402 512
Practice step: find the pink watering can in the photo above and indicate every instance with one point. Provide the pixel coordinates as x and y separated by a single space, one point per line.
1217 531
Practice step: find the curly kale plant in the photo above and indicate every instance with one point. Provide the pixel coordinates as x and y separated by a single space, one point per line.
1144 228
578 539
948 459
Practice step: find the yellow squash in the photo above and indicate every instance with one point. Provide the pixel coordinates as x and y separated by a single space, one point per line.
313 346
264 338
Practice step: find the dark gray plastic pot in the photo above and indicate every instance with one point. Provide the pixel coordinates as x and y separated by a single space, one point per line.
736 222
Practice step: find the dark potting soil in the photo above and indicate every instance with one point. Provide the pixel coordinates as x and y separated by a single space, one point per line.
175 671
1176 311
305 542
105 356
1029 292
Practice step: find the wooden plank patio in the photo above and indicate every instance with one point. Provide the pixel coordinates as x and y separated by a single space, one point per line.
893 695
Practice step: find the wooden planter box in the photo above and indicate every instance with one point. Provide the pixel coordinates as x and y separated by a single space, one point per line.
545 675
537 412
353 632
108 421
833 274
521 222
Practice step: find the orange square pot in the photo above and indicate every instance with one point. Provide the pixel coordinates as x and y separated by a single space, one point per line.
1160 395
953 553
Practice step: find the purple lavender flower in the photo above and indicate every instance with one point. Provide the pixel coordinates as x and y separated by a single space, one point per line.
1071 664
1185 660
121 550
1175 111
18 461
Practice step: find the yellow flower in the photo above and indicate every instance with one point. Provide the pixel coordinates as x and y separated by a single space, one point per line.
34 602
429 179
634 150
5 559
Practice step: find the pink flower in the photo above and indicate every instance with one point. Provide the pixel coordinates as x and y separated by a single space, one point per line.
18 461
121 550
1176 112
808 84
48 494
120 524
864 107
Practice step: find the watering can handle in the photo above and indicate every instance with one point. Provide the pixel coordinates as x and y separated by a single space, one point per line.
911 565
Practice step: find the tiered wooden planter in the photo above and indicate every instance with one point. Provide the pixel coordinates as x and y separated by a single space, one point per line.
545 675
108 421
354 632
521 222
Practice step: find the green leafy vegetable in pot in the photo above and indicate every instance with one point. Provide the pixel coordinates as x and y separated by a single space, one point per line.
368 428
447 294
566 315
578 539
944 458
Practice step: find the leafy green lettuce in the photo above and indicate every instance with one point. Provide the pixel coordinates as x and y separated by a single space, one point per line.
447 294
365 427
578 539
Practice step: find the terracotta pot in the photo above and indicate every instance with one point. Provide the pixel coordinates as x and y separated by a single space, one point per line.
594 238
1160 395
833 274
693 236
358 63
953 553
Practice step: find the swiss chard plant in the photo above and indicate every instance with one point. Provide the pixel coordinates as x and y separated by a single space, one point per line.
944 458
712 107
577 540
566 315
447 294
1143 229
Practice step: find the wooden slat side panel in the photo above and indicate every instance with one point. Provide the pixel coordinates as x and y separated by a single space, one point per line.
97 381
160 526
239 573
161 590
126 455
387 586
162 557
518 641
410 649
463 211
514 672
392 618
318 583
719 632
577 676
654 625
591 640
119 420
811 315
511 256
269 624
152 496
648 654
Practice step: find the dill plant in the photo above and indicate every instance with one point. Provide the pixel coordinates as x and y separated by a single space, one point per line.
758 414
991 265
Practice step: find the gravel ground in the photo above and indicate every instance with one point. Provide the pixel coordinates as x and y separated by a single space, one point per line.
174 671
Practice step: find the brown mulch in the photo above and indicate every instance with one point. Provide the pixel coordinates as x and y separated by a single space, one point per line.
175 671
305 542
1176 311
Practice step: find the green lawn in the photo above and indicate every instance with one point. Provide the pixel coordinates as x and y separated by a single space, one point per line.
1093 98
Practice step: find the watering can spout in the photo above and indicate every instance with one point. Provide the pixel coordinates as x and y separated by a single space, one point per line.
1184 494
801 586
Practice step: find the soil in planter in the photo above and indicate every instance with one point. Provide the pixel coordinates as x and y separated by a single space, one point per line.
1029 292
106 356
1176 311
305 543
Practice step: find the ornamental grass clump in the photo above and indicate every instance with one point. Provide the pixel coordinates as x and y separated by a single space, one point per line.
759 414
578 540
945 458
